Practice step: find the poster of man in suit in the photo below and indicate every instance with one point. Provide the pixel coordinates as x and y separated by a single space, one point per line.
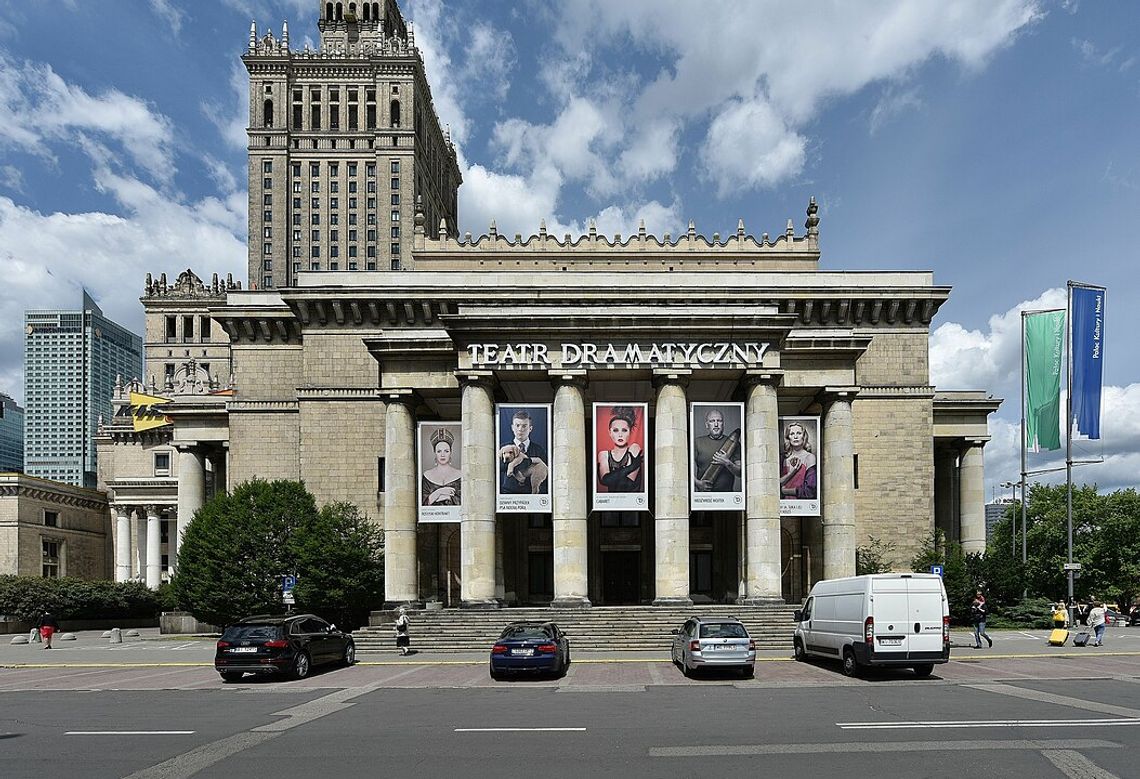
524 466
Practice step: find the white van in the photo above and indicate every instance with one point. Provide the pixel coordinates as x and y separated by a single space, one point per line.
885 619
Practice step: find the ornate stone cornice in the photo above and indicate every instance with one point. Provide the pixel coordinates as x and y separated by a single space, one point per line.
18 485
339 393
263 406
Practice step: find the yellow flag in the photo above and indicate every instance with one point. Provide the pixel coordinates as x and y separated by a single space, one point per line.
143 414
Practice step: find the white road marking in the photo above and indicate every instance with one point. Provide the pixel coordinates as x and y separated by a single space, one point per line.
520 730
1060 700
1013 723
880 746
1075 765
128 733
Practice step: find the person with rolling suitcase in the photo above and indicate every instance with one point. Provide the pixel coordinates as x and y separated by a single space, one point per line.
1097 622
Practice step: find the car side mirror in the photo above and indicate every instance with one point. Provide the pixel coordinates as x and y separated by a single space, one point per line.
332 628
674 631
798 615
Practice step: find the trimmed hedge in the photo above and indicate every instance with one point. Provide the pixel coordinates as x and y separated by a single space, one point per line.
27 597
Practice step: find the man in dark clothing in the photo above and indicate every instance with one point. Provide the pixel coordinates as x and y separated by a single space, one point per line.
47 627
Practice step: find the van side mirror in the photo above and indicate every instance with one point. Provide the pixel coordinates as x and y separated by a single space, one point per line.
798 615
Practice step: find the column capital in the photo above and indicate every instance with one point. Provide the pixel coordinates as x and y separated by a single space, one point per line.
754 376
971 443
571 378
678 376
484 379
152 510
405 397
828 395
185 446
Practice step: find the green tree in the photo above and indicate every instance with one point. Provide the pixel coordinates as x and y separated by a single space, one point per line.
238 546
874 556
962 574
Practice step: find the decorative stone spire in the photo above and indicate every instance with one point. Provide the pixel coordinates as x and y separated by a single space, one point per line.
740 229
641 229
790 231
692 230
442 229
812 223
542 228
493 232
420 218
285 34
253 35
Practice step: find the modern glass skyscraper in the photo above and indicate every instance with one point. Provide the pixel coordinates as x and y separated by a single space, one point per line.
71 359
11 435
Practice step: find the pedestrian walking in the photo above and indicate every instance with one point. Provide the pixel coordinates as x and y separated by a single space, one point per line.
1097 622
1060 616
978 614
47 627
403 641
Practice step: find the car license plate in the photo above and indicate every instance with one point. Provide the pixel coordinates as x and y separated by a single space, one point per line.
890 641
244 649
721 647
522 652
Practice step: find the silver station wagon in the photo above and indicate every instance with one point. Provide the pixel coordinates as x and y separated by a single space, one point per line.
714 642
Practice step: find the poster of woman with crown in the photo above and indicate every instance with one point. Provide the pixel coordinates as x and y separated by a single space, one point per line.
441 471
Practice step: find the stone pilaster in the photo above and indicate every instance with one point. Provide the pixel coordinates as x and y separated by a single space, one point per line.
671 493
153 548
972 497
477 514
140 546
400 500
571 584
838 485
764 583
191 493
946 486
122 544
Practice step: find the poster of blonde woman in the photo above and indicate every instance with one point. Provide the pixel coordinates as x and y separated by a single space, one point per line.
799 467
441 471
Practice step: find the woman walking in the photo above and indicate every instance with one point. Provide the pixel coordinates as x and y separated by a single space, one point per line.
1097 622
47 627
403 641
978 614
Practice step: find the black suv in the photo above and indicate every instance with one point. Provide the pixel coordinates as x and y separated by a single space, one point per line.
286 644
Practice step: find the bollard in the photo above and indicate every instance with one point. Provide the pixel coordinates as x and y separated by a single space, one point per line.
68 637
106 634
116 636
21 639
132 633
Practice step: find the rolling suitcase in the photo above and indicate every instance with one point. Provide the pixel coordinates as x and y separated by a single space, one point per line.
1058 637
1081 639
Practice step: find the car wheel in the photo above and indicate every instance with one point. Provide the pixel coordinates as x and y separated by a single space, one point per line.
349 654
301 666
748 672
798 652
231 676
850 664
685 670
498 677
924 670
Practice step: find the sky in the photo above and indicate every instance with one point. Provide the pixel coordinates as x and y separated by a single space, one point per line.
992 142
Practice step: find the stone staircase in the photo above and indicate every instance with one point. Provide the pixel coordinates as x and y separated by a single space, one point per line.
596 628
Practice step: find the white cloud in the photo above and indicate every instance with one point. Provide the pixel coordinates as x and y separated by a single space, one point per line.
990 360
232 117
894 102
748 146
12 178
40 107
170 13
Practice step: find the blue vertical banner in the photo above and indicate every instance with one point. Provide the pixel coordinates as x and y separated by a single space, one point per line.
1087 318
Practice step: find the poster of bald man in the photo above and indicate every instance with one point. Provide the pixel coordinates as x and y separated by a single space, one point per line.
716 451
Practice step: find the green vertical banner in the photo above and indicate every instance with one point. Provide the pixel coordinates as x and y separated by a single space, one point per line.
1044 356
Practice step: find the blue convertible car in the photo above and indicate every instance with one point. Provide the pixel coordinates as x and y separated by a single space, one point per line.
530 647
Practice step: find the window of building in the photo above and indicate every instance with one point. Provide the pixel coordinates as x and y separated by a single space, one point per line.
371 186
371 266
372 252
352 169
351 264
314 251
334 265
168 373
334 186
352 252
267 183
352 217
204 327
334 218
314 266
297 265
395 183
296 186
267 166
395 263
395 250
267 216
187 328
296 169
315 219
395 216
316 235
162 463
315 202
352 235
334 235
51 559
370 109
315 116
171 328
266 282
370 170
395 232
334 202
315 186
268 232
267 265
267 199
296 251
267 248
395 166
51 518
395 199
371 203
372 235
296 202
297 218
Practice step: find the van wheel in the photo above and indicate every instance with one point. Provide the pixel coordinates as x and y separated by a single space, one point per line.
924 670
850 664
798 653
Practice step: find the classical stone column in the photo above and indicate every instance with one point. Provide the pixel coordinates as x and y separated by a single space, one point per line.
972 497
477 514
671 493
571 584
191 493
122 544
153 548
946 487
838 485
764 583
140 546
400 500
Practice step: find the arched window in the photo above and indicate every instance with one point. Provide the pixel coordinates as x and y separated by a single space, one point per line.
352 10
339 12
395 113
267 114
375 12
367 12
329 11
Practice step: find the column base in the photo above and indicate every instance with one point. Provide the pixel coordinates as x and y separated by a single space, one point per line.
570 602
483 605
678 603
761 600
391 605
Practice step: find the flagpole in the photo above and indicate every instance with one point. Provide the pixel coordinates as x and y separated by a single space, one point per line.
1069 432
1024 466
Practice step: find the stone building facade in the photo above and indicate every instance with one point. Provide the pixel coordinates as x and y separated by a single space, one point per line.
331 372
52 529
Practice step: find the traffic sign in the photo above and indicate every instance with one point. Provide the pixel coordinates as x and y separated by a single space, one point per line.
287 598
288 583
936 570
1071 567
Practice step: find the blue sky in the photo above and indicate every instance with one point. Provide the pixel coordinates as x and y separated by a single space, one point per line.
992 142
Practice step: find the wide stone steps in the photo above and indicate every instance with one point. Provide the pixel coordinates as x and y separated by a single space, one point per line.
598 628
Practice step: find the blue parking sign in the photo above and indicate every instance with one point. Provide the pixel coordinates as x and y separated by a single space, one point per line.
288 583
936 569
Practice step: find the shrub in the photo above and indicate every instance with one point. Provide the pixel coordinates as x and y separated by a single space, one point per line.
27 597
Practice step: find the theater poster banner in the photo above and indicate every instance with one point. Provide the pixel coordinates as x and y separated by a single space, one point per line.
523 462
716 450
799 467
621 457
440 450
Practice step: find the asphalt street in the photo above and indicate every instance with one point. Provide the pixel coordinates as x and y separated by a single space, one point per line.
156 708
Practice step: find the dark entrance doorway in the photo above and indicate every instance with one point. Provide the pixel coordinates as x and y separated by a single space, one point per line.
621 577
